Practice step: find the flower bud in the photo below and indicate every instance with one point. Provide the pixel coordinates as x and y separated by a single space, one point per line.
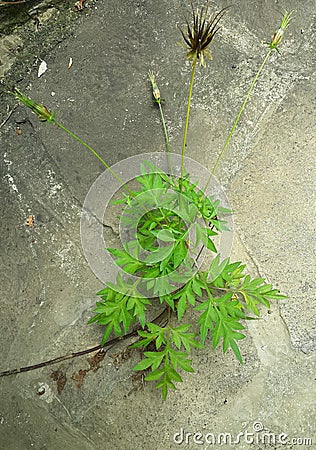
41 111
156 91
278 35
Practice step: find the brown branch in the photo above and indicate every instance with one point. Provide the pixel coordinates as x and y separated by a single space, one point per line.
75 354
65 357
13 3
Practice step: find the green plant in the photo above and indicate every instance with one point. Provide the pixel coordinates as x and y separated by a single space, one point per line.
171 222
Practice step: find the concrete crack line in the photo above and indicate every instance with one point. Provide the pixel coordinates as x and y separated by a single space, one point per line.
252 259
262 275
100 222
88 439
57 169
42 290
42 294
74 199
286 328
49 210
287 331
55 396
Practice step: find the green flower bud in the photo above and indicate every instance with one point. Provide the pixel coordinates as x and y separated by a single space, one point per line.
41 111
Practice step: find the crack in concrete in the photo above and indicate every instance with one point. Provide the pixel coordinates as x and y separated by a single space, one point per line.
100 222
249 255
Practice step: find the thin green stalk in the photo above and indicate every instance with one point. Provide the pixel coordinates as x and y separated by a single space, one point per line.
156 95
188 115
166 135
210 296
238 117
77 138
164 127
44 115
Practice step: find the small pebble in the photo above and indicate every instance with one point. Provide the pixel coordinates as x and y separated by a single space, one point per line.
41 390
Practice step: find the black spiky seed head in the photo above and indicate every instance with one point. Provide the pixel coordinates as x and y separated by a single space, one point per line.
200 33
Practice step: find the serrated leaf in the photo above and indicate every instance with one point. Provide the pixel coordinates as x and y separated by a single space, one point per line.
106 334
165 235
93 320
153 327
216 268
160 338
156 358
174 375
137 305
154 376
142 343
158 255
237 336
143 364
204 235
179 253
180 359
207 319
198 233
181 306
181 336
197 286
235 349
217 333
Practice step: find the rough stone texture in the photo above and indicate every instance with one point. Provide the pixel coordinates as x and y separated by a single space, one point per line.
48 289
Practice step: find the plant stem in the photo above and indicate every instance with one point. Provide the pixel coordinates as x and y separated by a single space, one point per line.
237 118
188 115
80 353
166 135
77 138
210 296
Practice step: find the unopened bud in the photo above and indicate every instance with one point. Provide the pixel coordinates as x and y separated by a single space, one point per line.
41 111
278 35
156 91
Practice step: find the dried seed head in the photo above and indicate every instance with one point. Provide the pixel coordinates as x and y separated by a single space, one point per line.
200 33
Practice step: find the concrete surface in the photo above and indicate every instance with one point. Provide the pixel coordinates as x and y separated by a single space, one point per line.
48 289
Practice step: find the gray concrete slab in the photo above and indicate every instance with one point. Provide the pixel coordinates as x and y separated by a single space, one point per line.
48 289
